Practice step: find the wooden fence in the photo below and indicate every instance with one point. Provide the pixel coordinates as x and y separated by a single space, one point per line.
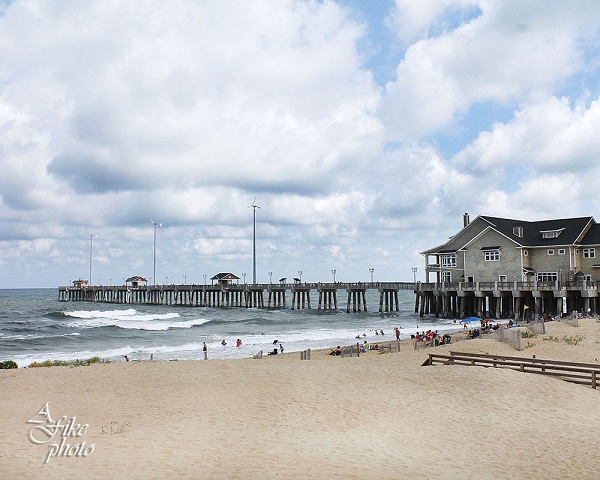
581 373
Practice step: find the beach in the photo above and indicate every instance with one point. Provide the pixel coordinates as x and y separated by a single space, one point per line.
375 416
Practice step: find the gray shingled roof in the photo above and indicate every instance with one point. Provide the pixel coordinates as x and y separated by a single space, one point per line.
226 276
571 229
593 236
532 237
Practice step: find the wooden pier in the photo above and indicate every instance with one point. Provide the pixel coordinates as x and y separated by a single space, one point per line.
240 295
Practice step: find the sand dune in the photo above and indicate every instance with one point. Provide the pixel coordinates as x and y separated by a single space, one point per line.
377 416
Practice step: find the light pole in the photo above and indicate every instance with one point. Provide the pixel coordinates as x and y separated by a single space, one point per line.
414 270
300 275
270 275
333 273
185 279
371 270
244 275
204 278
159 225
166 279
92 236
254 207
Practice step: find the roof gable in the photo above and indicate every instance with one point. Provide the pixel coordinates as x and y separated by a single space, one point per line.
464 236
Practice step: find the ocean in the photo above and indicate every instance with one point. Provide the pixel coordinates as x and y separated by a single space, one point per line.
35 326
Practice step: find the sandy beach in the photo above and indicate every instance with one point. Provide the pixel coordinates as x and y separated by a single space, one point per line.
377 416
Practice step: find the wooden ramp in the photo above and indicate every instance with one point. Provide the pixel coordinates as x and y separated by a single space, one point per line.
581 373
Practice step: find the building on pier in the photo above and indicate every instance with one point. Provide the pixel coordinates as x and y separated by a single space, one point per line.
225 278
136 281
498 266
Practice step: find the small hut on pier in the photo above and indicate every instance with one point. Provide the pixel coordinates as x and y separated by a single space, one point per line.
136 281
224 278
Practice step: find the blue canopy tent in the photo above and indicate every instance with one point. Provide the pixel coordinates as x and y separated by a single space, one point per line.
471 319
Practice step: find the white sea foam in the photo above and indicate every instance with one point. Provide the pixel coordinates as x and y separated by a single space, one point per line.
34 336
130 319
136 323
130 313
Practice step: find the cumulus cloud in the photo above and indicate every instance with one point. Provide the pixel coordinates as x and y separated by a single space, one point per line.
550 136
503 55
114 113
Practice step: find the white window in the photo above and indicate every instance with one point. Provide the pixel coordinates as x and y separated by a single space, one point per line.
446 277
525 253
589 253
502 278
449 260
547 277
518 231
576 251
491 255
561 251
551 233
550 251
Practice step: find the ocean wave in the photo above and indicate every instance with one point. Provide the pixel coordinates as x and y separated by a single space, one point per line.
130 313
143 322
33 336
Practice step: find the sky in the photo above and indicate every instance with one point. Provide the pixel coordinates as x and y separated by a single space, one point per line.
363 129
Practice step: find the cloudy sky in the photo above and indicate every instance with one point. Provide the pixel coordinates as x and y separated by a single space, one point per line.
364 129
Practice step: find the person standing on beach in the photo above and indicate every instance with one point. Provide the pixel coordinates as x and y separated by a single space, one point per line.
205 350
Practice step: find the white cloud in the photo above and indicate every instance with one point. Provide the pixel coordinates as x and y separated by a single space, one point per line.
114 113
510 52
551 136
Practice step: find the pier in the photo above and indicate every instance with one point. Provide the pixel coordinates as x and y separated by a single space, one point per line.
241 295
447 300
506 299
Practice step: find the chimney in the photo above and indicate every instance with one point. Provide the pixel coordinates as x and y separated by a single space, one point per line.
465 219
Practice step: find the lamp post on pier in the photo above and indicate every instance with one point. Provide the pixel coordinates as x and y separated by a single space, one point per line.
300 275
204 278
244 275
333 272
159 225
254 207
92 236
371 270
270 276
414 270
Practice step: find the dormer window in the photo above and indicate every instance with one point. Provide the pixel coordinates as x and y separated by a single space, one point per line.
551 233
518 231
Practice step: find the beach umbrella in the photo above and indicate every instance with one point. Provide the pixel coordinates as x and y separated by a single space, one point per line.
471 319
